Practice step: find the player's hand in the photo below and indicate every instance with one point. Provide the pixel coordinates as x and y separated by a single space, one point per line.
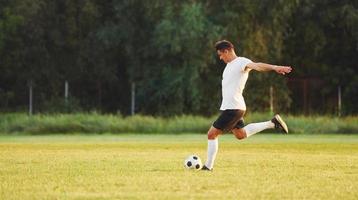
283 69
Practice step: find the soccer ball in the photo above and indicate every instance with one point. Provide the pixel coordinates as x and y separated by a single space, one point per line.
193 162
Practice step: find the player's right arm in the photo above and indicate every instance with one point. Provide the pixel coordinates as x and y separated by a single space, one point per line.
262 67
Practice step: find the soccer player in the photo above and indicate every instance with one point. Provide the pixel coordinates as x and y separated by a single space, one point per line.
233 105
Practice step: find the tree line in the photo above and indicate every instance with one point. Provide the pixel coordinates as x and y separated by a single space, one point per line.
166 48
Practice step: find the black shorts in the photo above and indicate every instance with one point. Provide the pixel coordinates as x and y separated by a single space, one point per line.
230 119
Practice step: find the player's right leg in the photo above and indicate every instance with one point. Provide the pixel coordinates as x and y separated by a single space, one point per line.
279 123
253 128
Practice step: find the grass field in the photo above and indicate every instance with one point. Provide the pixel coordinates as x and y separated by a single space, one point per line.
151 167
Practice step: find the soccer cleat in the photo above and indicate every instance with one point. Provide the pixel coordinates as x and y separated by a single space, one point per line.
206 168
279 123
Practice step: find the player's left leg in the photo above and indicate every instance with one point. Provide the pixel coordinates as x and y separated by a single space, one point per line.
213 147
226 121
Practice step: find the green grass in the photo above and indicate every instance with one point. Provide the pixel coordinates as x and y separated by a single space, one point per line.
151 167
96 123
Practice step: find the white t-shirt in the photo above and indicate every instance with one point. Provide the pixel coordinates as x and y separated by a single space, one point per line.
233 84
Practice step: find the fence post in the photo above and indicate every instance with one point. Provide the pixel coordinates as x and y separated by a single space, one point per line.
133 98
339 101
66 92
271 100
30 84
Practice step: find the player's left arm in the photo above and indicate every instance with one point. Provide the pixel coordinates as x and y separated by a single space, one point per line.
262 67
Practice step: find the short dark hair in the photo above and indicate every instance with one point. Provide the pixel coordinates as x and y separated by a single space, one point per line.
223 45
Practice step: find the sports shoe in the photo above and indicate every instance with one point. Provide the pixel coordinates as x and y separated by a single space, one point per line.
279 123
206 168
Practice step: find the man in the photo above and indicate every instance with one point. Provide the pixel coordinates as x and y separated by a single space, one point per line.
233 105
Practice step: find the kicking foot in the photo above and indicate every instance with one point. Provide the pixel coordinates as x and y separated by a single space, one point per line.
279 123
206 169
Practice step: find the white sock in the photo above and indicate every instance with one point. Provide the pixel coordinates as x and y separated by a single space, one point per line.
213 147
257 127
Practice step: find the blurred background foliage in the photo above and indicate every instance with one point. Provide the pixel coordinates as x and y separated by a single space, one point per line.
167 49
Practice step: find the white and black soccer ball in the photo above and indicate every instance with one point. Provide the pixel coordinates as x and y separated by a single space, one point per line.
193 162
